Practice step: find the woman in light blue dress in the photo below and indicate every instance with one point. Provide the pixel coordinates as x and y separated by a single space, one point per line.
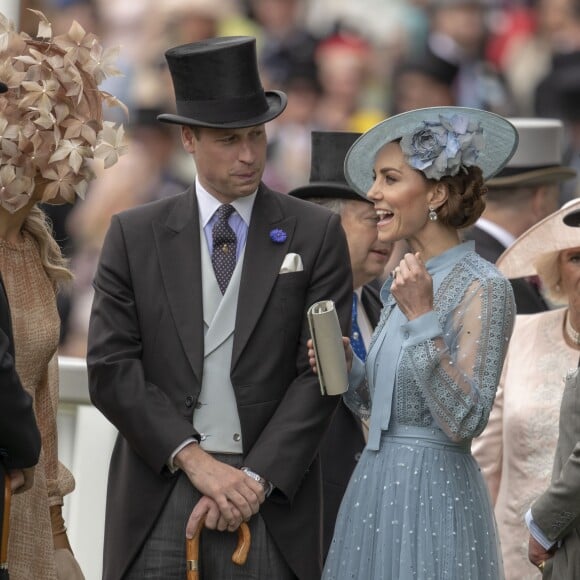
417 506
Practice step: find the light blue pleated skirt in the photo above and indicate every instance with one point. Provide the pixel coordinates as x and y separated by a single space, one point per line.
416 509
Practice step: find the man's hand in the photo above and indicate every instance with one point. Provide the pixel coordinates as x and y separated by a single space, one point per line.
347 354
537 553
213 519
21 479
237 496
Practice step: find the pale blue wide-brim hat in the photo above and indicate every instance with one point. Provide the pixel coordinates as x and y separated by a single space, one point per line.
498 142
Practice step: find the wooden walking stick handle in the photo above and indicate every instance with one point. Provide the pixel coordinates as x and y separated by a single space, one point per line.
5 522
239 556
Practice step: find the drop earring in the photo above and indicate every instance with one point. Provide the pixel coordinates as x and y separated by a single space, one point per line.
432 214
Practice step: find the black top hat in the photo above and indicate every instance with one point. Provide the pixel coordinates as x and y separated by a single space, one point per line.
431 65
573 219
558 92
145 117
3 88
217 84
327 178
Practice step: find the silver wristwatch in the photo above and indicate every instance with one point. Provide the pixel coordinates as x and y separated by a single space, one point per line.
258 478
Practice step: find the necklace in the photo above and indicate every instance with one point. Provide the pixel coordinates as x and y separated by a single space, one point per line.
570 332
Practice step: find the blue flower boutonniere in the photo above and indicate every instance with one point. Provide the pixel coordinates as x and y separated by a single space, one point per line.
278 236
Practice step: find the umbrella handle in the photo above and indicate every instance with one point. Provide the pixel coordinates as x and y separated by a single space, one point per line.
239 556
5 523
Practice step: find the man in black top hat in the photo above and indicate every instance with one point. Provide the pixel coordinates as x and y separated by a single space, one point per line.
345 438
197 344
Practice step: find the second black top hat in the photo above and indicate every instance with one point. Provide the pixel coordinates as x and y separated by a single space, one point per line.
327 178
217 84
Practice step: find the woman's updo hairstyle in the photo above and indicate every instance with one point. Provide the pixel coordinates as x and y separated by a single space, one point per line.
465 200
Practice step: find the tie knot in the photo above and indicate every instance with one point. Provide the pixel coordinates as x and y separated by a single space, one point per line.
224 212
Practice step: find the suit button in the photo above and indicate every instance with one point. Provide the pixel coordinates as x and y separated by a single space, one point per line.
188 401
237 437
357 456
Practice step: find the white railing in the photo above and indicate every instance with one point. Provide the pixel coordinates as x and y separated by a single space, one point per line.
85 442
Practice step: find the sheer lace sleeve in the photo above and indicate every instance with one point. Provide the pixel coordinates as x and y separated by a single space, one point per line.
459 370
358 397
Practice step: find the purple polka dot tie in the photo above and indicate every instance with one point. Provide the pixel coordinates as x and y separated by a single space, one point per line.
225 242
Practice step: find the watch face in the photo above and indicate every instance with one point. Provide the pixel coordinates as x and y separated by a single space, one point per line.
254 476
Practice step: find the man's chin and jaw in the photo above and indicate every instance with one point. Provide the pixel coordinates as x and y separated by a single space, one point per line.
375 265
234 187
370 267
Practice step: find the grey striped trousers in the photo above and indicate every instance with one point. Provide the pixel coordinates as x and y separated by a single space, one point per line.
162 557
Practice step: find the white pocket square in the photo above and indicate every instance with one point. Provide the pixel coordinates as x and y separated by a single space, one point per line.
291 263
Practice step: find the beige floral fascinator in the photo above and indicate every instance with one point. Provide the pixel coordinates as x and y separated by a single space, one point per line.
51 117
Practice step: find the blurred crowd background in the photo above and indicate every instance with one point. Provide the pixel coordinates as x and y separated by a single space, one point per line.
345 65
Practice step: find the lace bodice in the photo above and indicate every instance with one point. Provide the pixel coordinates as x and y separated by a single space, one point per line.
447 363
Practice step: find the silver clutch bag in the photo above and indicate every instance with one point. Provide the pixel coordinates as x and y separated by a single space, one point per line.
328 348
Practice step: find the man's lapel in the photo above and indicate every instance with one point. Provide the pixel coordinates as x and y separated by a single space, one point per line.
178 249
372 303
262 261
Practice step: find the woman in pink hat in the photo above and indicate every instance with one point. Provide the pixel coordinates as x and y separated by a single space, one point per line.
516 450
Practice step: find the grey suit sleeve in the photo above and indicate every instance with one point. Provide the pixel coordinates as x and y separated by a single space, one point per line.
557 510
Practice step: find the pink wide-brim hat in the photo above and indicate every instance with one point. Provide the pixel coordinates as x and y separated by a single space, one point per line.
551 235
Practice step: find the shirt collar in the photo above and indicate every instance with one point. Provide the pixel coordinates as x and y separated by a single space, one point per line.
502 236
208 204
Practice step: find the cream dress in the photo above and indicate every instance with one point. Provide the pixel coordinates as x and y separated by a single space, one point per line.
516 450
36 326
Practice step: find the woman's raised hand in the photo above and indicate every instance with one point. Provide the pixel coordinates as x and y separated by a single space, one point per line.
412 286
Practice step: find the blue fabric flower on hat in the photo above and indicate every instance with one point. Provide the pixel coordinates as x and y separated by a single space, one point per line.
278 236
443 148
